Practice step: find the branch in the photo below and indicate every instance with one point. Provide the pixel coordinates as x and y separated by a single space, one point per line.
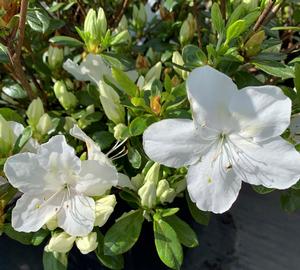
262 18
223 9
196 13
117 18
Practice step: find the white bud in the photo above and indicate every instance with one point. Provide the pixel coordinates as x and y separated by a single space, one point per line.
52 223
147 194
87 244
153 173
55 57
67 99
35 111
45 124
61 242
104 207
177 59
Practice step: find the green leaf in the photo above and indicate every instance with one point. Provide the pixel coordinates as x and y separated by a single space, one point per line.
235 30
103 138
14 91
237 13
167 212
170 4
194 56
134 157
217 19
125 82
290 201
262 189
11 115
138 126
185 233
22 140
244 79
275 68
167 244
293 28
199 216
123 234
66 41
112 262
23 238
55 261
39 236
38 21
297 79
4 58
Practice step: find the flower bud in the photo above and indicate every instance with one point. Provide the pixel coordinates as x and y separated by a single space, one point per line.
104 207
35 112
52 223
6 137
162 186
45 124
155 104
168 196
153 174
177 59
187 30
253 45
60 242
121 132
147 194
87 244
67 99
69 123
90 23
55 57
110 101
101 22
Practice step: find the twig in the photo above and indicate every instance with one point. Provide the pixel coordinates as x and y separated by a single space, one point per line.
223 9
81 8
21 27
196 13
263 15
116 19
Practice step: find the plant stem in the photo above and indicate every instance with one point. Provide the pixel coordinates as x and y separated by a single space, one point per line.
196 13
262 18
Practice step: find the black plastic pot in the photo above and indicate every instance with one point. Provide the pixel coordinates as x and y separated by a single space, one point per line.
255 235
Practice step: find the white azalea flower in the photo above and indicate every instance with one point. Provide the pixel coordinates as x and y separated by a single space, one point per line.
55 182
234 137
95 153
92 69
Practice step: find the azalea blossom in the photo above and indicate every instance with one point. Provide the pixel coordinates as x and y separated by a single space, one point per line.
234 136
55 182
92 69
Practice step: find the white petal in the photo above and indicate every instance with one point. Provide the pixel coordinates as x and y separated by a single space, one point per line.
77 215
273 163
173 142
262 112
32 212
96 178
210 92
212 184
24 172
124 181
57 156
91 69
94 151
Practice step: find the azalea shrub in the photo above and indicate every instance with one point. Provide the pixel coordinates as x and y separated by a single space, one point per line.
119 113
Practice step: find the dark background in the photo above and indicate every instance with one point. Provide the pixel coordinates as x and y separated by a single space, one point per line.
254 235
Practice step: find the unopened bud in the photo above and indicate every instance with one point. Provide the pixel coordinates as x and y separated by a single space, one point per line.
253 45
55 57
104 207
60 242
87 244
147 194
187 30
153 173
52 223
35 112
155 104
121 132
45 124
67 99
110 101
